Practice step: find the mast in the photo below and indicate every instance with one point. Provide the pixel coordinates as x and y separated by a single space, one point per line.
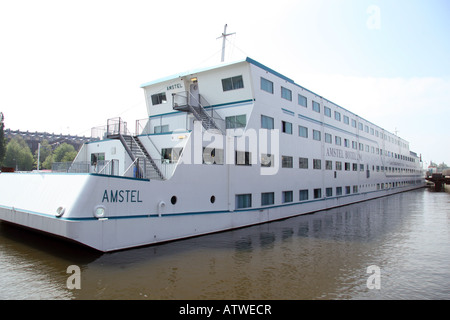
224 36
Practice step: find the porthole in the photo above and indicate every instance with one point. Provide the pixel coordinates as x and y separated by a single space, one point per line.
173 200
212 199
99 212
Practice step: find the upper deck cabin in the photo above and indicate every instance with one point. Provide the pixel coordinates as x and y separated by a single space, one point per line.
223 84
250 96
231 92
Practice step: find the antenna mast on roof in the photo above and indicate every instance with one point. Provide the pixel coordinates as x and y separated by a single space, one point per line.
224 36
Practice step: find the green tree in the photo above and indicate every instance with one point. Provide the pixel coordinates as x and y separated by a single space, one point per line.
64 153
47 164
18 155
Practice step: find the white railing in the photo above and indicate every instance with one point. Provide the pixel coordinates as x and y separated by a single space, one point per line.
110 167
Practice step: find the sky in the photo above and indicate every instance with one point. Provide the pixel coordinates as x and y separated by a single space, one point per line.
67 66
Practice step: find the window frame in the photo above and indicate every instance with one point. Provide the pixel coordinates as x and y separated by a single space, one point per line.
237 82
285 91
268 82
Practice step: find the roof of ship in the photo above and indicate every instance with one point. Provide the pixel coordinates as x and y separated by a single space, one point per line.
193 71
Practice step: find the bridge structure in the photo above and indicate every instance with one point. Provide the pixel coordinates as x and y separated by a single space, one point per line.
34 138
439 180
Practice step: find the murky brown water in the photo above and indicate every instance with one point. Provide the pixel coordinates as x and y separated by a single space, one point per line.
320 256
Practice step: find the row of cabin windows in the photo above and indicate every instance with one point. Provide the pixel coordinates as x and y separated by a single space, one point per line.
240 121
286 127
303 163
268 198
244 158
267 86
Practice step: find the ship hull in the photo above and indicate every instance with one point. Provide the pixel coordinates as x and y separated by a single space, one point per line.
132 224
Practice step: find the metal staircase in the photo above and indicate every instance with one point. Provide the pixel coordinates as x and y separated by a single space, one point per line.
143 164
207 122
185 101
147 167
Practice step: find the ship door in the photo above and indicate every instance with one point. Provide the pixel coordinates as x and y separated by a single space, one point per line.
194 96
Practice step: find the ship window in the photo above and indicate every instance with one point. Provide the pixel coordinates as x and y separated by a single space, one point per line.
337 116
346 120
304 195
243 158
243 201
303 163
267 122
161 129
316 106
159 98
302 101
234 122
339 191
317 164
286 94
96 157
316 135
329 192
286 127
267 160
212 199
213 156
267 198
171 154
338 140
288 196
317 193
327 111
328 138
338 165
286 162
303 131
266 85
173 200
346 143
328 165
232 83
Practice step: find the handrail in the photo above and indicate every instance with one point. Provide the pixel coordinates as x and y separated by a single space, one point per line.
147 135
131 165
104 167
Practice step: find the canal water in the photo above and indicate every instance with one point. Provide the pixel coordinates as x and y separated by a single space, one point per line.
396 247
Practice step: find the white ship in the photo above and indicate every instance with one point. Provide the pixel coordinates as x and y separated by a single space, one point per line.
224 147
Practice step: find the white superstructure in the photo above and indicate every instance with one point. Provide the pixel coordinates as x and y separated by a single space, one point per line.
223 147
